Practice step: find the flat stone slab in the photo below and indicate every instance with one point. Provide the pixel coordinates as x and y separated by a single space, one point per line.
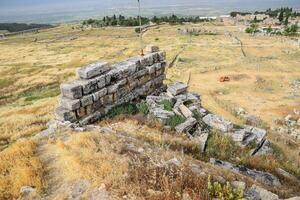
69 104
93 70
177 88
151 48
218 122
71 90
256 192
186 126
263 177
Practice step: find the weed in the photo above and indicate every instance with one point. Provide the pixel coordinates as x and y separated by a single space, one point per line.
226 192
168 105
143 108
126 108
175 120
222 147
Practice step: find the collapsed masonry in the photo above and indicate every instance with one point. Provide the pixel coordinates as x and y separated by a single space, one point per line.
100 86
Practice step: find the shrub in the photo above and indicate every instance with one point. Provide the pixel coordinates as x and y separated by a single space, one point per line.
126 108
175 120
168 105
216 190
143 108
222 147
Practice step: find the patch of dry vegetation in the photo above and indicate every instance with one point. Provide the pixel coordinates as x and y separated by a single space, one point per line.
20 166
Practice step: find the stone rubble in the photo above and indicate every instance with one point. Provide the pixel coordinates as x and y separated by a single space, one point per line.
263 177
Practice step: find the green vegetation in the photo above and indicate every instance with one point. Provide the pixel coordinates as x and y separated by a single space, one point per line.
280 13
252 29
15 27
174 121
291 30
40 92
126 108
221 147
134 21
168 105
143 108
216 190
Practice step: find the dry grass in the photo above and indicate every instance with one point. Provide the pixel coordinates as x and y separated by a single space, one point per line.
20 166
92 157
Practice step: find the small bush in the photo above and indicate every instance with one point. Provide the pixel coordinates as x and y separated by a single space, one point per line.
216 190
222 147
175 120
168 105
126 108
143 108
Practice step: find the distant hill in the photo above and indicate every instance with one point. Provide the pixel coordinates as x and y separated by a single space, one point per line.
15 27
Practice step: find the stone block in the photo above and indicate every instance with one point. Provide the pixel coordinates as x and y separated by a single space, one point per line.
97 95
69 104
101 81
218 122
185 111
86 100
177 88
93 70
89 109
72 90
97 105
151 69
80 112
137 61
148 59
108 99
151 48
186 126
63 114
162 55
88 86
142 72
143 80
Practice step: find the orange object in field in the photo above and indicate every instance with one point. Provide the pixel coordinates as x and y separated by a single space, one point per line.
224 79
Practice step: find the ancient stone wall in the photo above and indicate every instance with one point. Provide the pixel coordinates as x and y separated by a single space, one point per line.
102 86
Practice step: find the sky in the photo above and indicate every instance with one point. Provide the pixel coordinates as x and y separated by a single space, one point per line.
64 10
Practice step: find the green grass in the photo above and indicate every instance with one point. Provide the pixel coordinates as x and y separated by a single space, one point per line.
168 105
143 108
123 109
5 82
174 121
40 92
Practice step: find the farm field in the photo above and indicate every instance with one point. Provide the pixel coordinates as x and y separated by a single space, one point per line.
264 72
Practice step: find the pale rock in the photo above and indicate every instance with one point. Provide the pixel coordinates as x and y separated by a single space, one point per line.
239 185
72 90
185 111
186 126
93 70
258 193
177 88
218 122
151 48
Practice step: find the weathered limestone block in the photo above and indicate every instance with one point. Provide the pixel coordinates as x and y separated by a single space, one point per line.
202 140
258 134
162 55
97 95
265 148
91 118
81 112
86 100
69 104
186 126
263 177
177 88
161 114
93 70
185 111
218 122
101 81
88 86
137 61
148 59
256 192
151 48
97 105
114 88
152 69
108 99
72 90
63 114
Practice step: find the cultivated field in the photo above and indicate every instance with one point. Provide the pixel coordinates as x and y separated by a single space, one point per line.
33 65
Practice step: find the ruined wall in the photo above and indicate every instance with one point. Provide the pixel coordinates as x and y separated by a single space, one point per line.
101 86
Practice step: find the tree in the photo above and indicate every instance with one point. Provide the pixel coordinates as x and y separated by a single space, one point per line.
286 21
280 17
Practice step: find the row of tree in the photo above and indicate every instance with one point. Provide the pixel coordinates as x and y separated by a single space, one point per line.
134 21
280 13
16 27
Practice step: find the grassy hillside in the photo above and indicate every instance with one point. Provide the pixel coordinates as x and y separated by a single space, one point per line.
33 66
